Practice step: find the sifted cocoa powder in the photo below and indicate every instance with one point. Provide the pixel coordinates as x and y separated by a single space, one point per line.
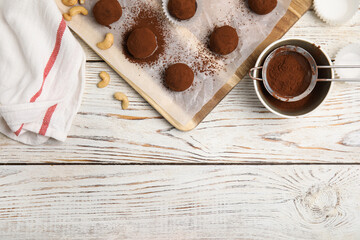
150 19
289 74
201 60
107 12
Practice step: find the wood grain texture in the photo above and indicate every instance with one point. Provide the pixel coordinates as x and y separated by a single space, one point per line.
180 202
239 130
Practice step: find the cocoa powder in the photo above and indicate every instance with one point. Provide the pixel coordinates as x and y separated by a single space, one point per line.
204 61
150 19
289 74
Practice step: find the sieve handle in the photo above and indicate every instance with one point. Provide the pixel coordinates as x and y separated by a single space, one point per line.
339 79
339 66
252 76
318 80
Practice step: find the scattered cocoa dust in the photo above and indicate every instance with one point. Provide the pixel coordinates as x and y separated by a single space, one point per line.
150 19
202 60
207 63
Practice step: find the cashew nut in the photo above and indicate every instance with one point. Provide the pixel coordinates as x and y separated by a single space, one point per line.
69 2
107 43
123 98
82 1
67 17
105 80
74 11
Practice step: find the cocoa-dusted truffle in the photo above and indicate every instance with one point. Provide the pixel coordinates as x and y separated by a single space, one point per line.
224 40
262 7
107 12
179 77
182 9
141 43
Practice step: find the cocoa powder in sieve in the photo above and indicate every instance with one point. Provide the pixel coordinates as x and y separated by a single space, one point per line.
289 74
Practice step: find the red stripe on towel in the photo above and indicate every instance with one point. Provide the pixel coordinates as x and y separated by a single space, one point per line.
52 58
47 120
49 65
19 130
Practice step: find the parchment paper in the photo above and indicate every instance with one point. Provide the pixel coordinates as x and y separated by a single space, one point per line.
188 44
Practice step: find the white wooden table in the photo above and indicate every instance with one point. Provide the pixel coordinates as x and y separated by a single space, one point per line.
241 174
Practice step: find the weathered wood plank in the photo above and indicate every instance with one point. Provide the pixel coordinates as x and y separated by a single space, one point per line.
239 130
180 202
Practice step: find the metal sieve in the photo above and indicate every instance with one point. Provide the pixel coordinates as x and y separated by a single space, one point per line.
314 72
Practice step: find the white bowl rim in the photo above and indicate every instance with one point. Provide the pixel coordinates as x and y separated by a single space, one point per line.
258 91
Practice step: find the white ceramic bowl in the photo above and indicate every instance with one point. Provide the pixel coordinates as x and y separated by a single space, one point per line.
310 103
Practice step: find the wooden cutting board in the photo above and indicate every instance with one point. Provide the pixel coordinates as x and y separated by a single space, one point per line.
295 11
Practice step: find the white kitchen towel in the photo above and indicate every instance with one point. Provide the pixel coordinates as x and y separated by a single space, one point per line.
42 72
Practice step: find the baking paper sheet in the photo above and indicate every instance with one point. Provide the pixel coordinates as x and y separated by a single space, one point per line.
186 44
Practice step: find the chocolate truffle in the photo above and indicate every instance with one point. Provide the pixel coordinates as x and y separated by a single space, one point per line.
262 7
141 43
107 12
179 77
224 40
182 9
